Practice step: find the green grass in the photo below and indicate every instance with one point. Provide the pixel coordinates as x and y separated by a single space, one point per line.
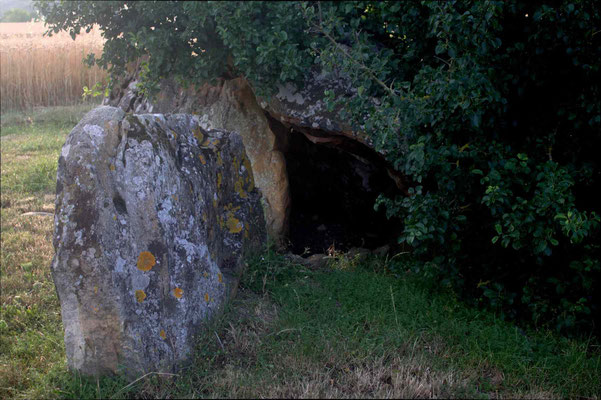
62 116
31 337
349 330
360 314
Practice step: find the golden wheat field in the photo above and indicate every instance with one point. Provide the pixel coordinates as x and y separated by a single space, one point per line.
37 70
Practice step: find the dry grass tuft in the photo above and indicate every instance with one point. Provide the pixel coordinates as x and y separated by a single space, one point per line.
38 70
383 377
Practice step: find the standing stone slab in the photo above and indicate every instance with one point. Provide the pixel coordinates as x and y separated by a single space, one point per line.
153 217
230 105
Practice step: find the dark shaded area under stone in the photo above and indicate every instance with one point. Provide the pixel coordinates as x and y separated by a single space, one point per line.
333 189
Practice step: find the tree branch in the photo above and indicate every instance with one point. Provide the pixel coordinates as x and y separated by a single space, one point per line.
362 66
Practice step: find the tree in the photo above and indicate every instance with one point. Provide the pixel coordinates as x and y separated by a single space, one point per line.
491 109
17 15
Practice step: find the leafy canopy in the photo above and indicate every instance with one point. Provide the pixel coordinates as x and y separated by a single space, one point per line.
491 109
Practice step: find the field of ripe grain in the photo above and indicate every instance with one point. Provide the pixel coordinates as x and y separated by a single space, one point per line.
37 70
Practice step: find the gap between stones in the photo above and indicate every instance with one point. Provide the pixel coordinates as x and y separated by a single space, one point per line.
334 183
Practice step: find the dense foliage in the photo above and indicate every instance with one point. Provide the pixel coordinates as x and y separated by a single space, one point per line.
490 109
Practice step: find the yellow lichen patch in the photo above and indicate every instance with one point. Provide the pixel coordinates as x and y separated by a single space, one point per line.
205 274
177 292
146 261
140 295
95 289
162 334
202 159
174 197
115 217
112 167
234 225
174 134
220 278
238 187
230 207
211 143
219 178
198 135
214 203
249 176
219 159
207 298
246 163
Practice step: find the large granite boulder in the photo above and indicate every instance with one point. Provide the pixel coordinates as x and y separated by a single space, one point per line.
154 214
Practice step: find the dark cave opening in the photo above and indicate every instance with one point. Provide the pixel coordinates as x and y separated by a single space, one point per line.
333 189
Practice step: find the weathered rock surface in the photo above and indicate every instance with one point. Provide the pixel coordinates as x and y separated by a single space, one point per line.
358 253
153 216
305 108
230 105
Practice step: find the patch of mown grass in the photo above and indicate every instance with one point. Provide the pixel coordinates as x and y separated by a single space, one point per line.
32 353
62 116
367 315
29 161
